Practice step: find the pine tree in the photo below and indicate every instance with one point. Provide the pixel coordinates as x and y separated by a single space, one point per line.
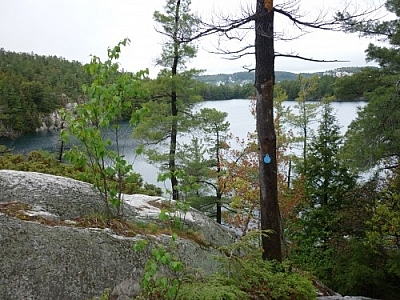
174 94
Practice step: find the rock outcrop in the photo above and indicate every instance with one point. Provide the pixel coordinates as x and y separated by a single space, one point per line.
51 260
45 255
53 120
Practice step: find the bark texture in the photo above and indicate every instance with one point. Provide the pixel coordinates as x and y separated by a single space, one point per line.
265 77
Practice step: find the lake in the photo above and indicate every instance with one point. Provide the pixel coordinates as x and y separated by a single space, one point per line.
239 116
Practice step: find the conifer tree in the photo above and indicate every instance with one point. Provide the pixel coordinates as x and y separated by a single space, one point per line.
175 95
372 139
318 225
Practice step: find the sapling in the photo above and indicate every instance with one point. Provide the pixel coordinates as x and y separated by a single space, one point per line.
95 124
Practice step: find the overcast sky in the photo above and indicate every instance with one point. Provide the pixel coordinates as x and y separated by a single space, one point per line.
75 29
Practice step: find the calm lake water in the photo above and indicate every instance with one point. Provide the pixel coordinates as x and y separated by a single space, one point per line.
239 116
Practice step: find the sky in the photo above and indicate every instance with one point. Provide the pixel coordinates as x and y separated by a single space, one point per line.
76 29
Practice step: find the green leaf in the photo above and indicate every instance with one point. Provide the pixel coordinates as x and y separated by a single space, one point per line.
140 245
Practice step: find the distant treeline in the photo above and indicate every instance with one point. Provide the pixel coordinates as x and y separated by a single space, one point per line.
240 85
32 85
211 92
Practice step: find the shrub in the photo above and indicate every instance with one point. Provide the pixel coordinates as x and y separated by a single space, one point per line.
214 288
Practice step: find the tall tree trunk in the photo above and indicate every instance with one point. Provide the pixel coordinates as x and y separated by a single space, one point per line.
172 148
265 77
219 207
174 108
219 190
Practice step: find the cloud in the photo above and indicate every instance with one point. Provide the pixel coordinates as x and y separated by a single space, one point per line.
76 29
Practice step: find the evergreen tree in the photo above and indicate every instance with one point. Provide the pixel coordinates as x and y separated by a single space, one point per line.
372 138
177 94
215 128
327 177
304 117
317 230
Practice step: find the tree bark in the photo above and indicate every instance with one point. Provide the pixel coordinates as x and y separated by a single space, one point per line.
265 77
174 109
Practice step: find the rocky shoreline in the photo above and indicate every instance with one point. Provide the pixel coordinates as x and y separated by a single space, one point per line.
54 121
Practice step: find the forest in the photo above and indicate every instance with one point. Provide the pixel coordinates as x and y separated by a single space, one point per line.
34 85
338 198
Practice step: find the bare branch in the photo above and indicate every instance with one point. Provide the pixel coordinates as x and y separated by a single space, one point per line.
308 58
235 54
235 29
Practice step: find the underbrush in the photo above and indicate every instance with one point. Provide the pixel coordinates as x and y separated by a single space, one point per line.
46 162
243 275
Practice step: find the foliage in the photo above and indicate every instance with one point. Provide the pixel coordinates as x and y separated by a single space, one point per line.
4 150
359 270
357 86
157 286
324 87
200 160
108 96
241 181
327 176
243 275
263 279
195 168
271 280
372 137
45 162
210 92
291 177
240 162
316 232
32 85
366 262
39 161
174 92
384 229
306 114
175 213
284 160
213 288
179 24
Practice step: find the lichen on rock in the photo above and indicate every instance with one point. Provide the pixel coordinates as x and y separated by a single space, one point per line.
45 254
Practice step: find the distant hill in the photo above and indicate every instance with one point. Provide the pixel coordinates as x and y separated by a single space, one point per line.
245 77
242 78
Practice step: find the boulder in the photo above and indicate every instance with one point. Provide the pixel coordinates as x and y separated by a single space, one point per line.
45 255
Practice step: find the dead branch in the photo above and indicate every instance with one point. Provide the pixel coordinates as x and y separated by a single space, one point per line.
308 58
229 28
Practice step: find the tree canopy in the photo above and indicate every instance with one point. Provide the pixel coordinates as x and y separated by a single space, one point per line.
372 138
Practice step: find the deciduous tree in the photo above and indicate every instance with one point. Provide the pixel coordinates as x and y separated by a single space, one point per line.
95 124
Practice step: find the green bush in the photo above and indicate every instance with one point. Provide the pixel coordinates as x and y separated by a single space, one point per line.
271 280
214 288
46 162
